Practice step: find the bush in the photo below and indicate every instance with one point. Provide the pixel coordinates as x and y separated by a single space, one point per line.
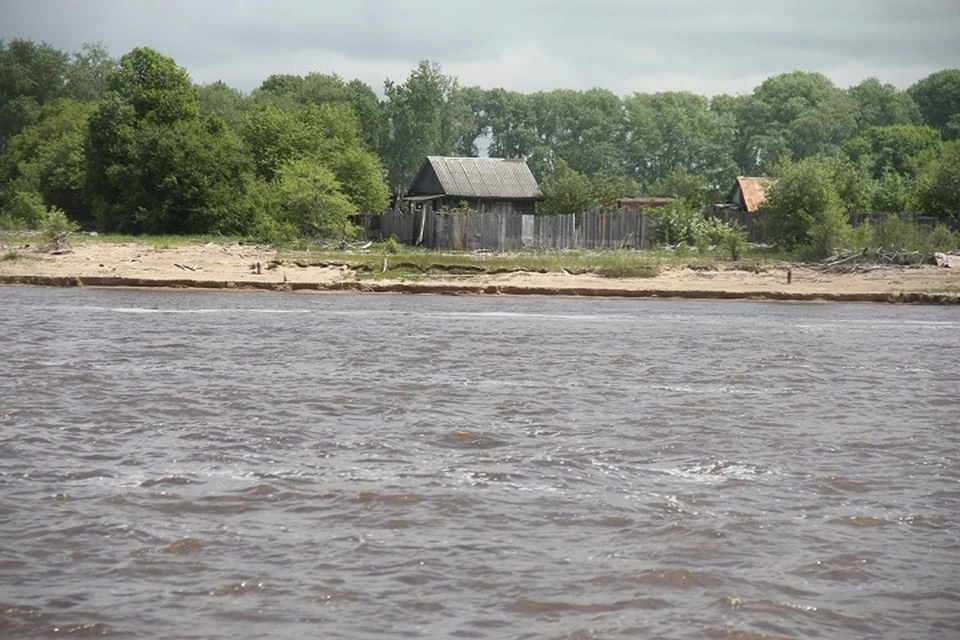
392 245
57 229
730 236
678 224
893 233
805 209
25 209
942 239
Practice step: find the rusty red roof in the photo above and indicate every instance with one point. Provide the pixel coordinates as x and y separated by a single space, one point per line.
753 192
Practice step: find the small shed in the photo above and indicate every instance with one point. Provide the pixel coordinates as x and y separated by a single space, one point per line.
487 185
744 206
748 194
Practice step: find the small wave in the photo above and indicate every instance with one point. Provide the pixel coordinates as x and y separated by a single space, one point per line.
719 470
537 607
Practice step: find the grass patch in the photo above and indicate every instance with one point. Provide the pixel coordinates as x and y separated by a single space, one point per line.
157 242
382 260
11 256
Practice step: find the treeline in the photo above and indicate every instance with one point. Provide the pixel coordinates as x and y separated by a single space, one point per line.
132 145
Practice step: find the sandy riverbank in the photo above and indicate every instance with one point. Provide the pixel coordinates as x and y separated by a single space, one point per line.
233 266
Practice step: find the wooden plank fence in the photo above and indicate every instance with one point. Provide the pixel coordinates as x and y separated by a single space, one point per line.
508 231
500 231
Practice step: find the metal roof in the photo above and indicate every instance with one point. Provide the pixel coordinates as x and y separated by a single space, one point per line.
500 178
752 190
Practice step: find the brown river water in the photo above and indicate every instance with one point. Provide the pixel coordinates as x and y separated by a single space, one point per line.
243 465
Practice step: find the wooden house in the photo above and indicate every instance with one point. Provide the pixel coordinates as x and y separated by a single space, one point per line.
486 185
748 194
744 206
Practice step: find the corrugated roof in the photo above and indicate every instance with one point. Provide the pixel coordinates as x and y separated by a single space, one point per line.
501 178
753 191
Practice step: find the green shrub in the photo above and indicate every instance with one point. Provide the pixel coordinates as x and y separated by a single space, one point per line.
730 236
677 223
57 229
893 233
942 239
25 209
392 245
861 236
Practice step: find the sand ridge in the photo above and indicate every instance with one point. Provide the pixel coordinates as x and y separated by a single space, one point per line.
235 266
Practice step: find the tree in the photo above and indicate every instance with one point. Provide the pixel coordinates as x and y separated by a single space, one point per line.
938 97
155 87
154 165
683 185
794 115
291 92
87 74
48 158
901 149
225 102
805 209
940 191
30 76
326 136
307 196
566 191
426 115
667 131
881 105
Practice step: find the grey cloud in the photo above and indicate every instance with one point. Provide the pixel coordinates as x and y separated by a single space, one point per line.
710 44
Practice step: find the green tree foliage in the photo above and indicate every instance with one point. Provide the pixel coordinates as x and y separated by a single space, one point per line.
327 136
566 191
225 102
902 149
667 131
883 105
805 209
938 97
940 184
426 115
682 184
608 187
307 197
30 76
153 164
48 158
291 92
794 115
87 75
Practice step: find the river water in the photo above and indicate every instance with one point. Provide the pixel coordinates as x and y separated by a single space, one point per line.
244 465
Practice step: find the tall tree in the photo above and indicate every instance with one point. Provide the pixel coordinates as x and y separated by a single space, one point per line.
794 115
881 105
667 131
153 164
902 149
30 76
940 190
221 100
938 97
328 137
87 75
426 115
48 158
290 92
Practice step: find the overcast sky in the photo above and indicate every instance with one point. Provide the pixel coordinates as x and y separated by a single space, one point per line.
705 46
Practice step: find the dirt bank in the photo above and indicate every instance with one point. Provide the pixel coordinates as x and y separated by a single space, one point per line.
234 266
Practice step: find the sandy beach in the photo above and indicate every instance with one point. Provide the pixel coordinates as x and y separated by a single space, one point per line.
234 266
